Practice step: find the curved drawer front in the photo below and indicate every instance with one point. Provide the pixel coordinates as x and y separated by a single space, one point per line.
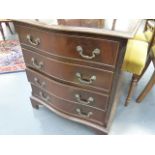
88 49
70 108
78 74
80 96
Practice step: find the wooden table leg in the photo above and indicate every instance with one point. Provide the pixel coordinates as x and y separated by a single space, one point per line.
2 32
8 25
147 88
131 89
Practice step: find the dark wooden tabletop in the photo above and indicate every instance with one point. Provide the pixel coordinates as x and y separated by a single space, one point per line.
123 28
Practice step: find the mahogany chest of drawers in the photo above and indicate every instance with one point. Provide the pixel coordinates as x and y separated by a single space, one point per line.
73 73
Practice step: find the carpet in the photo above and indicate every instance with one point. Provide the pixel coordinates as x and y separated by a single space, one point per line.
11 58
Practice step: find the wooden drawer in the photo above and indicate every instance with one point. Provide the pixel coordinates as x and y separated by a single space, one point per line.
75 94
95 50
82 75
70 108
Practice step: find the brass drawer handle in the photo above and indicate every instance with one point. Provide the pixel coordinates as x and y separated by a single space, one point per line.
43 97
84 114
32 41
37 65
90 100
38 83
95 52
85 81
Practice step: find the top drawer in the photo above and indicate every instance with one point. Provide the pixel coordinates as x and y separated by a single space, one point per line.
88 49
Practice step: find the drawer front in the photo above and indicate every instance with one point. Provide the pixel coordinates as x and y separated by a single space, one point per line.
95 50
80 96
71 108
78 74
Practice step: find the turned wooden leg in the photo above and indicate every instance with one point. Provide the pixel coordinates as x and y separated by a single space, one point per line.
147 88
8 25
131 89
2 32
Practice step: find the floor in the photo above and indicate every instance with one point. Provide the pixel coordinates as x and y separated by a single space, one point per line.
18 117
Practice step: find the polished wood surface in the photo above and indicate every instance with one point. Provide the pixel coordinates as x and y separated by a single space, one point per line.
66 45
76 83
67 92
87 113
128 30
68 72
98 128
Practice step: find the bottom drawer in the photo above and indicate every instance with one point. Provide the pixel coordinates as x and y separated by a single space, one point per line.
67 92
70 108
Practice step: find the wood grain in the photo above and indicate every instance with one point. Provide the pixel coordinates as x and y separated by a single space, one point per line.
67 71
51 57
68 92
65 45
70 108
129 33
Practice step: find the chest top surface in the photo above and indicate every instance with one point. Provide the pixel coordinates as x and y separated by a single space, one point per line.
123 28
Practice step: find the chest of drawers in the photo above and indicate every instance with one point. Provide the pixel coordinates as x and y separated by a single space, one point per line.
73 73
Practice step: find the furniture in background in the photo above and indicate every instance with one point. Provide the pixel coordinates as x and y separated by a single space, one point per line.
136 56
92 23
147 34
7 23
96 23
75 72
151 82
114 24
